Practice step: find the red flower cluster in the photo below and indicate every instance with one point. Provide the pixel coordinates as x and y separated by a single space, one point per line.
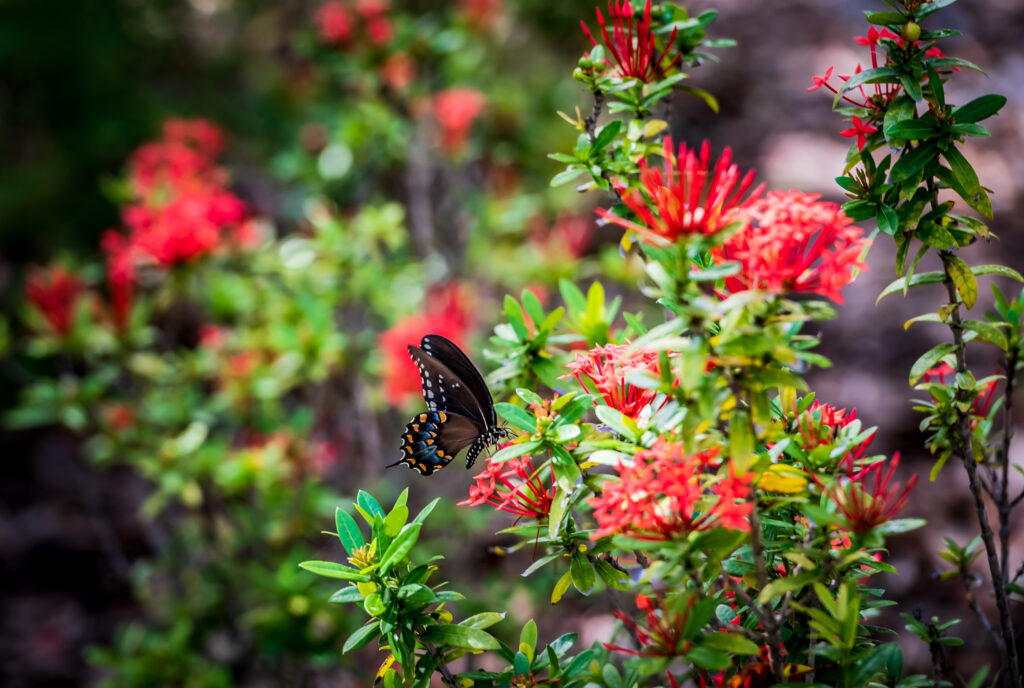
666 494
569 235
865 505
686 198
337 23
663 635
632 46
120 276
446 314
515 487
455 110
606 367
54 292
180 210
794 243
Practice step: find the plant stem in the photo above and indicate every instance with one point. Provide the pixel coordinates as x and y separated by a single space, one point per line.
1009 650
1003 503
774 640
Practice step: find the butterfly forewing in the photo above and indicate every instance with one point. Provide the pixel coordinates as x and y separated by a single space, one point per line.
444 390
431 440
455 360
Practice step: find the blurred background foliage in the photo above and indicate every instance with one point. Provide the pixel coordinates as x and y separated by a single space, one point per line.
162 480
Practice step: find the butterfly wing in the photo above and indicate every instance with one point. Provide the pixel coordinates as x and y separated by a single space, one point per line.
431 440
458 362
444 390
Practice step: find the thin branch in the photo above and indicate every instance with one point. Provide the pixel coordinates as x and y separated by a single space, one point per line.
1003 501
972 602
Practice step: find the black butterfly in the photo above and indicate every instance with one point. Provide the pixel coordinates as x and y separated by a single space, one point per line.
460 409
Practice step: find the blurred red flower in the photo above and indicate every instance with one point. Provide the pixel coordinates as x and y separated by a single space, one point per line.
334 22
686 198
794 243
455 110
54 292
513 486
666 493
180 209
606 368
632 44
446 314
481 14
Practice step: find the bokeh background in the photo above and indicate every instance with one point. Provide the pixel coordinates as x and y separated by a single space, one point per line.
321 133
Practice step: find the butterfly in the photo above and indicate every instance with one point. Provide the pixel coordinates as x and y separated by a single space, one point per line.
460 410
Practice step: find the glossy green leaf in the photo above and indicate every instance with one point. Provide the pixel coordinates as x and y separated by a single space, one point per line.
362 637
465 637
914 281
368 504
582 573
732 643
399 547
972 192
348 531
519 417
928 360
979 108
964 280
561 586
330 569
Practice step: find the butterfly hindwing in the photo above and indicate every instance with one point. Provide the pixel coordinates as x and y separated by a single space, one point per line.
431 440
454 359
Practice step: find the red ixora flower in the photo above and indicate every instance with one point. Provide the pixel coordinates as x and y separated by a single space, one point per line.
606 368
867 504
663 634
794 243
666 493
632 44
513 486
455 110
54 291
820 424
861 129
686 197
446 314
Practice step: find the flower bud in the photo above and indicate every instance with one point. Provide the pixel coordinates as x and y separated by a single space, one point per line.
911 32
578 74
586 63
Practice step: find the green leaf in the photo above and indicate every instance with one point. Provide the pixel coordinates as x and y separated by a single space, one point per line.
888 220
515 450
370 505
330 569
879 75
781 586
528 396
928 360
582 573
605 136
395 520
730 642
515 318
987 332
741 440
465 637
528 639
913 129
561 586
567 175
362 637
913 161
349 594
972 194
900 525
1001 270
400 547
962 277
886 18
914 281
979 108
519 417
348 531
935 235
483 620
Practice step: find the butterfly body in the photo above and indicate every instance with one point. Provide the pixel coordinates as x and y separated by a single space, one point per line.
460 410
